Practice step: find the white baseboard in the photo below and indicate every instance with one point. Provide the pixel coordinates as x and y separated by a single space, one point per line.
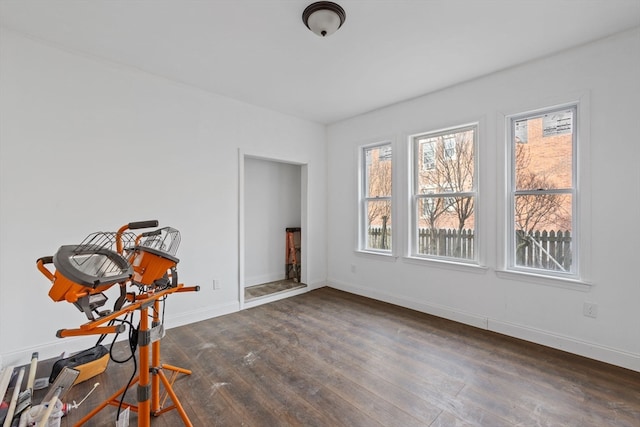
56 347
271 298
201 314
316 285
434 309
282 295
571 345
73 344
50 349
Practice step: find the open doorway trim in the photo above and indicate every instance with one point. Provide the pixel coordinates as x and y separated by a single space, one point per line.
303 163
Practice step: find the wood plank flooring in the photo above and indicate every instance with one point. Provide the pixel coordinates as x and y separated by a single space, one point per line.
329 358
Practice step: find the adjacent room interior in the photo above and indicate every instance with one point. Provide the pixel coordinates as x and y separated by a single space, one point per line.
351 213
273 236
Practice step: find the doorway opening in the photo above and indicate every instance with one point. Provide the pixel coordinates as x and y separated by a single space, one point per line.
273 200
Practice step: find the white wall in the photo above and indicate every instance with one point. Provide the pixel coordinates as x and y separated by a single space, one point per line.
604 75
88 146
272 203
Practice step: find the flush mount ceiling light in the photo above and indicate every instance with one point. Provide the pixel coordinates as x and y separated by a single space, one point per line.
323 17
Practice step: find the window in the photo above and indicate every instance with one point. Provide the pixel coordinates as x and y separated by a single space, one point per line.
375 207
542 192
444 194
450 147
428 154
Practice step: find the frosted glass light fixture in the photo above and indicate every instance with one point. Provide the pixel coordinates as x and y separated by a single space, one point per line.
323 17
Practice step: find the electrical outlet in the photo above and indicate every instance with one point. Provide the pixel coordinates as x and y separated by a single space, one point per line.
216 284
590 309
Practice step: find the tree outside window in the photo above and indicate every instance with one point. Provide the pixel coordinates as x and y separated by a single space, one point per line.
445 194
376 200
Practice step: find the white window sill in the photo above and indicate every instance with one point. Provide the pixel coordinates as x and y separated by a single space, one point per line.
446 264
378 255
559 282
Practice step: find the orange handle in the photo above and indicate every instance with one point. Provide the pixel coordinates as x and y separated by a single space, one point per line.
132 226
41 262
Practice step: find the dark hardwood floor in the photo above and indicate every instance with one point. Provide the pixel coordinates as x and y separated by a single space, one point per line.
329 358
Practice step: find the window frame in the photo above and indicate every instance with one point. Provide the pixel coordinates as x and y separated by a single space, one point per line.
512 192
415 195
386 148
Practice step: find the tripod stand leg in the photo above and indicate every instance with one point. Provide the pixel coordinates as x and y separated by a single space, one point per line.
174 375
110 401
174 398
159 376
144 384
176 369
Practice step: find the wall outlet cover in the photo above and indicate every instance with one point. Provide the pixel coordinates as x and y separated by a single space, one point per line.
590 309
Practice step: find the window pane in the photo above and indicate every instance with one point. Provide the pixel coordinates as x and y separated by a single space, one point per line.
537 212
378 171
543 151
543 191
378 217
444 193
446 163
446 227
543 231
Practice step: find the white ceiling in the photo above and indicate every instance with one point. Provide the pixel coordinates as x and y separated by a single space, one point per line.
260 52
